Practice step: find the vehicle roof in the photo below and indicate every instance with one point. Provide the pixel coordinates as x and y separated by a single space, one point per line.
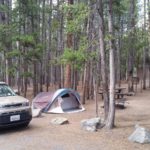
1 82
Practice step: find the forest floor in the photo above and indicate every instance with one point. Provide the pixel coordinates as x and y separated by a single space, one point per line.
41 135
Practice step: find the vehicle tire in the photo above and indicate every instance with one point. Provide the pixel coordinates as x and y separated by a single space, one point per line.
25 125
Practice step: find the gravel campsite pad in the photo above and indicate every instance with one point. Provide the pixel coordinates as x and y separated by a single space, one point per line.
42 135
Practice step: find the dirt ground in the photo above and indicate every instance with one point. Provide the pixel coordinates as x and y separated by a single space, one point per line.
41 135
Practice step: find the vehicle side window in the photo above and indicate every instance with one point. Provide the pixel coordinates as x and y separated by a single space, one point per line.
6 91
2 91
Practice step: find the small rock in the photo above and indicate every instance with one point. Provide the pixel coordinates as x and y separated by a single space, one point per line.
140 135
36 113
59 121
90 128
131 94
91 124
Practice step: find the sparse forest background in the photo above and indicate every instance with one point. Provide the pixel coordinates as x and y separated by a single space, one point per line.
75 43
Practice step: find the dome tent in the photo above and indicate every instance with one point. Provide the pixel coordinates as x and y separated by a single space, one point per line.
60 101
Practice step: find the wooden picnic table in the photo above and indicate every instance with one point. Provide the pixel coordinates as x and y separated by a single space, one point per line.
119 95
119 89
120 92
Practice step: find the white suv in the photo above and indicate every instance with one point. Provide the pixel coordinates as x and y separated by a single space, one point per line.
14 109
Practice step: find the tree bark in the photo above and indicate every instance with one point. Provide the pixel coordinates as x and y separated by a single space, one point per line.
144 50
69 45
49 48
95 85
103 60
111 115
131 26
148 3
85 84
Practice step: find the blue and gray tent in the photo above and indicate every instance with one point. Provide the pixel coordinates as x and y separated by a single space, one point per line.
60 101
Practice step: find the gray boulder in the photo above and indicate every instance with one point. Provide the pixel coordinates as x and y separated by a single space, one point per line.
140 135
91 124
36 112
59 121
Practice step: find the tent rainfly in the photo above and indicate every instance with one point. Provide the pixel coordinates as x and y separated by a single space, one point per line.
60 101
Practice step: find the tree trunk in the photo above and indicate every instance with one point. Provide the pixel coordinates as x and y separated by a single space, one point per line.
35 86
85 84
95 85
131 26
118 50
103 60
69 45
60 42
111 114
49 49
144 50
43 63
148 3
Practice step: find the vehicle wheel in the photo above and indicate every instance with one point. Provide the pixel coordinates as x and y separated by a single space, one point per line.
25 124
